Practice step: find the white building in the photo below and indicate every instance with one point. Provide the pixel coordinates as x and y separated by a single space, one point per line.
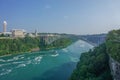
8 34
18 33
4 26
30 35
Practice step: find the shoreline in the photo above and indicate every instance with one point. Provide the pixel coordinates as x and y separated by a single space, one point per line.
36 50
5 55
30 51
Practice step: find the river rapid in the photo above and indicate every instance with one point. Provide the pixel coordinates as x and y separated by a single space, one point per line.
43 65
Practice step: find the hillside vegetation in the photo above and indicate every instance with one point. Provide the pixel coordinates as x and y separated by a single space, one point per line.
113 44
18 45
21 45
93 65
59 43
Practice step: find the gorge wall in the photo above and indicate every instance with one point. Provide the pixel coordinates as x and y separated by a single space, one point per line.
113 50
115 68
101 63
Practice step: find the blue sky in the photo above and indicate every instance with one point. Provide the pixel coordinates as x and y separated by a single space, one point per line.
61 16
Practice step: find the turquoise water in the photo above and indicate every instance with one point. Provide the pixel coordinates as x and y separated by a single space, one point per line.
43 65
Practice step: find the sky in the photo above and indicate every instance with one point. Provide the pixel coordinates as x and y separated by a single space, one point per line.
61 16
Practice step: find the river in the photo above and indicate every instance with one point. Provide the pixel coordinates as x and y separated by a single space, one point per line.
43 65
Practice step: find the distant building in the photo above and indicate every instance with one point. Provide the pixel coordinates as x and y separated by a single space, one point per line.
7 34
30 35
18 33
36 33
4 26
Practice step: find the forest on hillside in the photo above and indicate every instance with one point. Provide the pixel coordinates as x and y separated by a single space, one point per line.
21 45
93 65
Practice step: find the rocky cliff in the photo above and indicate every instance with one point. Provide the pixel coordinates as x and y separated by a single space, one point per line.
115 68
113 50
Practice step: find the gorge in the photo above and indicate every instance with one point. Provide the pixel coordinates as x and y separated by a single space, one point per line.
101 63
55 64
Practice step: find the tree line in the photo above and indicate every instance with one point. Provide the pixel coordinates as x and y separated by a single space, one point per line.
21 45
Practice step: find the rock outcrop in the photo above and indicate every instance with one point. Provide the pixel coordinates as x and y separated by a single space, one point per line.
115 68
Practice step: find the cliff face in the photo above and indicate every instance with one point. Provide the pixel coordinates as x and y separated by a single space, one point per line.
115 68
113 50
